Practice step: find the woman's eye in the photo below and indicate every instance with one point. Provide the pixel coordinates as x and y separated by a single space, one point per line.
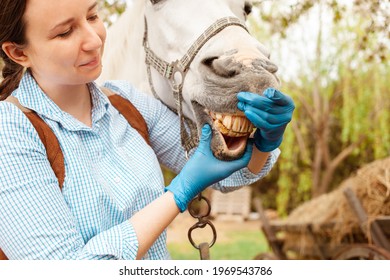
65 34
93 18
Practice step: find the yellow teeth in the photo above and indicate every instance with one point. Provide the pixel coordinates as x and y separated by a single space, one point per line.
232 125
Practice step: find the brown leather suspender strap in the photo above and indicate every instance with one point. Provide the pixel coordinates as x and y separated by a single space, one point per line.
50 141
129 112
3 257
48 138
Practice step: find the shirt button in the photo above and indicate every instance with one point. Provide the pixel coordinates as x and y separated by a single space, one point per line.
117 180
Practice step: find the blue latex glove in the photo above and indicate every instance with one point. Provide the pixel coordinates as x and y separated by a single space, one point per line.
203 170
269 113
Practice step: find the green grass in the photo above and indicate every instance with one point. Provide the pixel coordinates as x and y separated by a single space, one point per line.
241 245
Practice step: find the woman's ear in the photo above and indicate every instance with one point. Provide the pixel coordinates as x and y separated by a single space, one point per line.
16 53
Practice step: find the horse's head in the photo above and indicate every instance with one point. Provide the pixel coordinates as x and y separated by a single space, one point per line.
230 60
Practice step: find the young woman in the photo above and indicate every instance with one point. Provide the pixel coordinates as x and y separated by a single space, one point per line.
113 204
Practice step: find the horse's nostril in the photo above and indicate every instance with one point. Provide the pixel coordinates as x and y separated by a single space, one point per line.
265 64
224 67
271 67
209 61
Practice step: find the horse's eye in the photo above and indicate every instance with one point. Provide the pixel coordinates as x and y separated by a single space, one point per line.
247 8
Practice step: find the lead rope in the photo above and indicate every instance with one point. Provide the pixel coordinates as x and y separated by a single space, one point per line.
175 72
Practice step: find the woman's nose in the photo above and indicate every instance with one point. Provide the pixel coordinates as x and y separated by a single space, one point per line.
91 39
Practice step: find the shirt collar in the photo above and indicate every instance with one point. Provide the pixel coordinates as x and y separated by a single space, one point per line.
31 96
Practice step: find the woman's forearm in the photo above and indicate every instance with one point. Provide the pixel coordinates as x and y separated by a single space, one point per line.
151 221
257 161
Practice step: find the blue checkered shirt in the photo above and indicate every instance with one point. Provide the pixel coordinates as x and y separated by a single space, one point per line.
111 173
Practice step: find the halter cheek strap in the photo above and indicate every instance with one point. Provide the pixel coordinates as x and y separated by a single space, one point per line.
176 72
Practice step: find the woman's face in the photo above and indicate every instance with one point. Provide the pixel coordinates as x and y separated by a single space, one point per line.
65 40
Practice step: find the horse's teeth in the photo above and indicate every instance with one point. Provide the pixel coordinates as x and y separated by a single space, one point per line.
221 127
237 124
231 125
241 126
245 126
227 121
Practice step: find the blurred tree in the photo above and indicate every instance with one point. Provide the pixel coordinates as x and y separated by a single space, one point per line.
374 17
110 10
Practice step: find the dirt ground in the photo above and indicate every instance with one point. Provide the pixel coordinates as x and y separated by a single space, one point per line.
178 230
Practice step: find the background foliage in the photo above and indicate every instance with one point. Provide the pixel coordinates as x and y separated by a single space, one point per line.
111 9
340 87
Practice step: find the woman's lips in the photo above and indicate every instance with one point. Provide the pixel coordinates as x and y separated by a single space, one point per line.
91 63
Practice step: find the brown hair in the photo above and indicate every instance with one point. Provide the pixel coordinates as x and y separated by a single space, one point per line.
12 30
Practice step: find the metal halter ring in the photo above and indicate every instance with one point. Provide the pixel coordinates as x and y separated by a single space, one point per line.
193 213
202 224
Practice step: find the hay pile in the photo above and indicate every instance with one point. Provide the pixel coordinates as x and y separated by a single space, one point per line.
371 184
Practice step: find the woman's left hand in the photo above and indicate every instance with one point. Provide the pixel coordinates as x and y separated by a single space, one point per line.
269 113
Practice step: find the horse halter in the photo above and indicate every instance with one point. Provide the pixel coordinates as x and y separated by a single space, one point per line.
176 72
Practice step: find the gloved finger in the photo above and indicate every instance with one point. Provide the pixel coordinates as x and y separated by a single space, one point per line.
278 97
206 132
272 135
254 100
278 118
263 123
259 122
263 103
205 139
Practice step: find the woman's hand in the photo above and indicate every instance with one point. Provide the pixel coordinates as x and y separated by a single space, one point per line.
270 114
203 170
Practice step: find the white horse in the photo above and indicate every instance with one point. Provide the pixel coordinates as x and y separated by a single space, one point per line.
203 56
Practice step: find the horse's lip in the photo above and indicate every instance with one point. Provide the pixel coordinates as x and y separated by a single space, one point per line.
228 153
222 151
